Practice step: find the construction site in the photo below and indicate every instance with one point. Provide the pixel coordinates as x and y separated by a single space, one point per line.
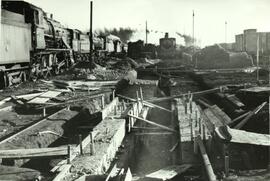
83 106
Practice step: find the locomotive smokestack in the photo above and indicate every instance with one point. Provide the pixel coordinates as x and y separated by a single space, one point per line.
51 16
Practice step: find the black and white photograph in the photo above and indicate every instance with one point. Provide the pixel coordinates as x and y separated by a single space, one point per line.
135 90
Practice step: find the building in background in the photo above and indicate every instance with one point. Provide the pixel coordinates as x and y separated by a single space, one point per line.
248 41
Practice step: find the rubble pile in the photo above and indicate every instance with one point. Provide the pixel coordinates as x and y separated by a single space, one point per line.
216 57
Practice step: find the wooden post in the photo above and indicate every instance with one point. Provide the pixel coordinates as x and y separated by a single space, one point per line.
226 165
68 154
138 102
141 93
129 123
113 94
92 146
200 125
124 105
102 101
115 109
196 118
180 146
195 144
203 132
190 104
80 142
44 112
185 104
191 127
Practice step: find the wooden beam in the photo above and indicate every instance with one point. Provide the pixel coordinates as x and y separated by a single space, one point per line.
169 172
153 123
200 93
46 96
73 101
153 133
27 96
206 161
146 103
239 136
235 120
33 152
255 111
30 127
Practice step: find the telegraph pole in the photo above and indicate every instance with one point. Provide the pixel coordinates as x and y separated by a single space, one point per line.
193 41
91 34
258 48
225 34
146 32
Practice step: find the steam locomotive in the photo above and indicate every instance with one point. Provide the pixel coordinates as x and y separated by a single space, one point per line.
167 48
33 44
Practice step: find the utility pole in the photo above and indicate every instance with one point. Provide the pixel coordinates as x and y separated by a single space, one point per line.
146 32
226 35
193 43
258 38
91 34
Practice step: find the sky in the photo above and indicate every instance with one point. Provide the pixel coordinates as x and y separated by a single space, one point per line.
165 16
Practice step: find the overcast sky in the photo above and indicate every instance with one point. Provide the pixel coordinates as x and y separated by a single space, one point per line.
165 16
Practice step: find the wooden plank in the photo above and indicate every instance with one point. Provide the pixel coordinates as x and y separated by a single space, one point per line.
206 161
44 97
213 118
77 100
8 108
232 98
30 127
239 136
256 89
153 133
146 103
244 121
200 93
92 83
33 152
169 172
26 96
235 120
153 123
220 114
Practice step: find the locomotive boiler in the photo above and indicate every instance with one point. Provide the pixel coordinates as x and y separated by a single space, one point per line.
33 44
